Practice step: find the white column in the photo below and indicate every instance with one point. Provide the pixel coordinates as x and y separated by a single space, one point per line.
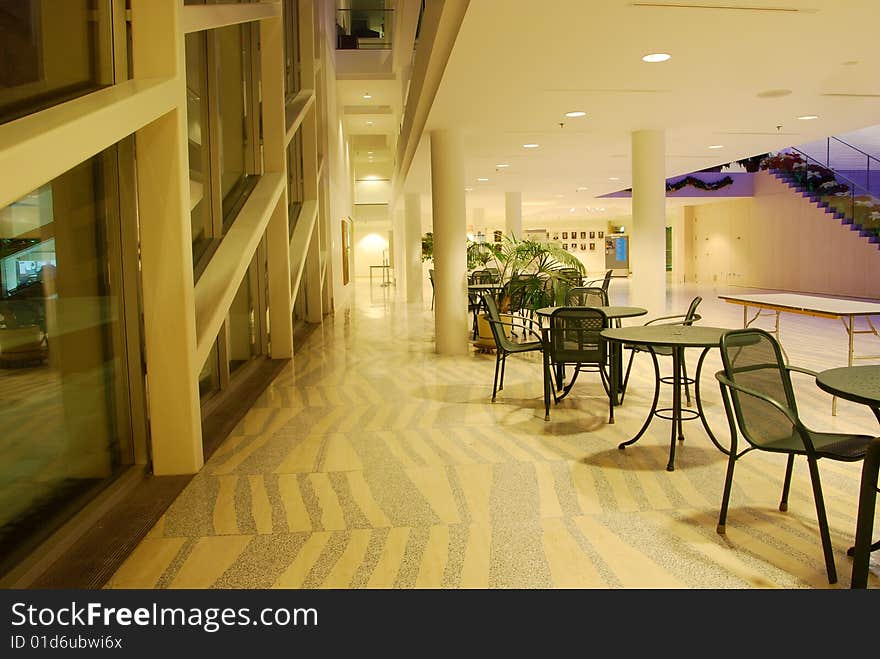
413 241
648 247
450 244
478 219
513 214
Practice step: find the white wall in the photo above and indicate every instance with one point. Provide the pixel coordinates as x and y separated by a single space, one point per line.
779 240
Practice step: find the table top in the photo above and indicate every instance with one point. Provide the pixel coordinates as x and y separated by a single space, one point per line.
611 311
485 287
685 336
860 384
798 302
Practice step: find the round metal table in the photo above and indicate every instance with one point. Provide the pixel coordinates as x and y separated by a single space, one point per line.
676 337
860 384
612 311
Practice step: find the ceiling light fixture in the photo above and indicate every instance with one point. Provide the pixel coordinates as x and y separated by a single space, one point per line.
656 57
468 189
576 113
531 145
613 178
571 210
809 117
369 123
582 188
502 165
716 146
368 96
482 180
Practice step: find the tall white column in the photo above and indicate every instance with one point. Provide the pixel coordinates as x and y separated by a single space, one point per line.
450 244
648 247
413 241
513 214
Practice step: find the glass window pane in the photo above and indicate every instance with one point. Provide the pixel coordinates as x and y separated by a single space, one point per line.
209 376
291 48
244 335
198 147
51 51
233 133
63 382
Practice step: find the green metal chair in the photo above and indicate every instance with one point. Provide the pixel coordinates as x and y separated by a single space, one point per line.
688 318
504 344
431 277
603 283
572 338
759 401
586 296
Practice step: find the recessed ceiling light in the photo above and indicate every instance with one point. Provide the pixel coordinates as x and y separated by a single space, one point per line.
576 113
369 153
656 57
531 145
809 117
369 123
613 178
571 210
601 209
468 189
502 165
582 188
371 177
367 96
483 180
716 146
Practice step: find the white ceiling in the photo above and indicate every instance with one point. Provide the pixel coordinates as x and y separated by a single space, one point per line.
518 65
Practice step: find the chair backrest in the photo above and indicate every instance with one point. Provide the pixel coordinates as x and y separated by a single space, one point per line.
515 292
482 277
495 274
431 276
572 336
572 275
502 341
606 281
586 296
691 314
752 358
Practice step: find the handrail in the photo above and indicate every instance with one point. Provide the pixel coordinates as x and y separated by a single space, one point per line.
836 173
854 148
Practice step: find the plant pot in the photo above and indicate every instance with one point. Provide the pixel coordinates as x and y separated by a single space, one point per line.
485 341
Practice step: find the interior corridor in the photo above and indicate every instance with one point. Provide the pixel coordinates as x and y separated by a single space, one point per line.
372 462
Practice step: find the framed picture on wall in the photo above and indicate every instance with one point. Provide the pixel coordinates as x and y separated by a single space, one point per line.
565 235
574 235
592 247
555 236
583 234
601 234
565 246
583 247
592 234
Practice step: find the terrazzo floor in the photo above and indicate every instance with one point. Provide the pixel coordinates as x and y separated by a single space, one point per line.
372 462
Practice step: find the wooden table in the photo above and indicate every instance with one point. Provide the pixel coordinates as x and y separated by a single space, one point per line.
844 309
860 384
676 337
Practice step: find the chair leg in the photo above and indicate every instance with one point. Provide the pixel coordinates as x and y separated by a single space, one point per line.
503 364
495 381
548 384
786 484
725 497
606 383
823 521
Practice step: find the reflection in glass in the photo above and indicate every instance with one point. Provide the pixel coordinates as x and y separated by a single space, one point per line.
294 179
64 397
243 324
51 51
197 145
209 376
234 142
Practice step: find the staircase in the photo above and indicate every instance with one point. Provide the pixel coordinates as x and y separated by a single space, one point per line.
841 197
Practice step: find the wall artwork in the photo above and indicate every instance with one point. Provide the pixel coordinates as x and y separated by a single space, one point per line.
583 247
583 234
565 245
592 234
555 236
565 235
574 235
601 234
592 247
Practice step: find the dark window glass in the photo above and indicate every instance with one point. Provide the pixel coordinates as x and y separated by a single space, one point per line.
52 51
64 396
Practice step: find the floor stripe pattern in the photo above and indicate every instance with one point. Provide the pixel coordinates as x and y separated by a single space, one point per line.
372 462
